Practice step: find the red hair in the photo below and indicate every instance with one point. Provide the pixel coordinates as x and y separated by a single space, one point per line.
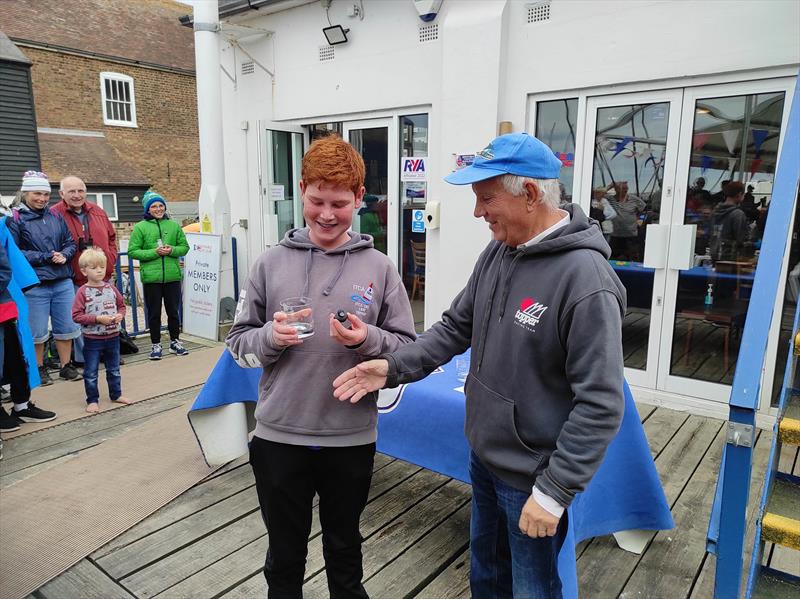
332 161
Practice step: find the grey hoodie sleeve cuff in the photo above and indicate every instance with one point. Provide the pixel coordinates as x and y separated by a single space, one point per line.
371 344
268 342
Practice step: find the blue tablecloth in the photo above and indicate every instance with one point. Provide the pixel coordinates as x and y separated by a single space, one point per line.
423 423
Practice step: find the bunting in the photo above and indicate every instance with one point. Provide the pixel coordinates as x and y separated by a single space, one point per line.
700 140
730 136
620 145
705 163
754 164
759 135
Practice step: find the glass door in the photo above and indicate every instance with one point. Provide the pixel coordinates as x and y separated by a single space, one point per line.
378 213
279 180
627 184
730 139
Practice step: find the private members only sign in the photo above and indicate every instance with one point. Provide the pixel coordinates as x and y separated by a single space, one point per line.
201 285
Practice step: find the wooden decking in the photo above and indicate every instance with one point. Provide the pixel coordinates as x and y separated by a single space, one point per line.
210 542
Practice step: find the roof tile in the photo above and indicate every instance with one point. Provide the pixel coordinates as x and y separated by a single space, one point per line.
145 31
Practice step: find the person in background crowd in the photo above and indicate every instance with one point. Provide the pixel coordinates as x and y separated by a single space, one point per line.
158 242
17 356
729 227
89 226
719 196
602 212
99 308
625 237
543 397
44 239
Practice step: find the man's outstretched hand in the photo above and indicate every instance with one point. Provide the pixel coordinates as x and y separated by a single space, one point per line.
355 383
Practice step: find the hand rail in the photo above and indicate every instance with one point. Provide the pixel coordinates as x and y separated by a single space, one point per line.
727 527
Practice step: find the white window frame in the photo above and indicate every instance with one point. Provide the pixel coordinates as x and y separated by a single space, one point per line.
92 196
125 79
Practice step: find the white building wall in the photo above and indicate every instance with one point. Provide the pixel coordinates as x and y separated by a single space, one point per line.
588 44
482 69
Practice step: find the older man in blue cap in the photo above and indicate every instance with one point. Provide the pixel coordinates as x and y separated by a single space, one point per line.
542 312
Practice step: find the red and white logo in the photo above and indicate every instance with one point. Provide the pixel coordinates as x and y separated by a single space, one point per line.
529 313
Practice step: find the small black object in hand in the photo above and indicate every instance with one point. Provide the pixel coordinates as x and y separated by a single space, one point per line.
341 316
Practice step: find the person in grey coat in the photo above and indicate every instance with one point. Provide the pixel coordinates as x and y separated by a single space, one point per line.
542 312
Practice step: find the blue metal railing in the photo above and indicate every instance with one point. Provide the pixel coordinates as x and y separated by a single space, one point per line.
132 301
726 530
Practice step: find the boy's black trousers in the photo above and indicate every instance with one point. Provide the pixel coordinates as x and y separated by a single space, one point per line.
287 478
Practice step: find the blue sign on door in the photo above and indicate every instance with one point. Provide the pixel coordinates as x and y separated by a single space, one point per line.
417 221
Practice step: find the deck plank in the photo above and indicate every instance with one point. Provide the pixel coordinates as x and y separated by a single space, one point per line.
92 436
604 568
704 585
397 534
413 570
74 429
176 567
180 534
661 427
243 567
84 580
670 566
192 501
452 583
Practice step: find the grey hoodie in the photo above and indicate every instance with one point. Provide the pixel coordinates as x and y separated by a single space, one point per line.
544 394
296 403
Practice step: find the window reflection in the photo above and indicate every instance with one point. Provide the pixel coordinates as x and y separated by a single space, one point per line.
627 175
555 126
413 196
729 188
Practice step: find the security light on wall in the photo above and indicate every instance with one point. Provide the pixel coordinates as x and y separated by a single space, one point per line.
335 34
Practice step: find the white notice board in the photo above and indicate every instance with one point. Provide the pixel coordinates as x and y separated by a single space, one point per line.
201 285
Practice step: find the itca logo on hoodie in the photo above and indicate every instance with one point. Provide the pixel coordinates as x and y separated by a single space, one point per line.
529 313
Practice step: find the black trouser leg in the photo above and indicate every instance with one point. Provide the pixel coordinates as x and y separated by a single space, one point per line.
153 294
172 303
14 370
343 476
285 486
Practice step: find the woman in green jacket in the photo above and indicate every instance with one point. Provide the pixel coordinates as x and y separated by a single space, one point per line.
157 243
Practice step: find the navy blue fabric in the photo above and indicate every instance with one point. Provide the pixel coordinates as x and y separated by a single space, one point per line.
39 233
424 424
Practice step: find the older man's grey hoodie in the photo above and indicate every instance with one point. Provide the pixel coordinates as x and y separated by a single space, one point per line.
296 403
544 394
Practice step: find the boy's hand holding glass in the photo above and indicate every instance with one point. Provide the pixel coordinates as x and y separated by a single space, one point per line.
293 322
352 336
107 319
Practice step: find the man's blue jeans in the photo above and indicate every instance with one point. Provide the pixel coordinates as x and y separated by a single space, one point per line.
505 561
93 350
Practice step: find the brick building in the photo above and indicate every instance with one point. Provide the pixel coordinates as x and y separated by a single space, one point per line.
115 98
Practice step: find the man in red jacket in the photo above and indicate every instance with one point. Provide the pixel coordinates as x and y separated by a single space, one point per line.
89 225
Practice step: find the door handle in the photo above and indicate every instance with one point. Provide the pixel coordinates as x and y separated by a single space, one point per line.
655 246
681 247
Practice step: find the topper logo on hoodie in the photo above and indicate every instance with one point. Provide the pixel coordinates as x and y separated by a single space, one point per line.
529 313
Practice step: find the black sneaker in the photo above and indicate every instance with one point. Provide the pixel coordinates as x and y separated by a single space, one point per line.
69 372
34 414
44 374
8 422
5 396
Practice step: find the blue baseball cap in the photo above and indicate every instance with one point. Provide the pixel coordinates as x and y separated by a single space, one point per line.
511 154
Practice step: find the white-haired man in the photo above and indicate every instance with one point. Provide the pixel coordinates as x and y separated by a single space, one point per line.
542 312
89 226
